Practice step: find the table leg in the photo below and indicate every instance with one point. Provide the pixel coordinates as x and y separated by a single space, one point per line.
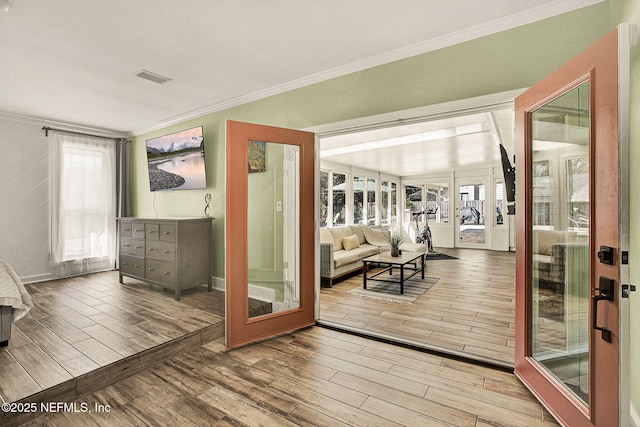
402 279
424 258
364 274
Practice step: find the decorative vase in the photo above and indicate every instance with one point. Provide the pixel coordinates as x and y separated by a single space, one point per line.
395 251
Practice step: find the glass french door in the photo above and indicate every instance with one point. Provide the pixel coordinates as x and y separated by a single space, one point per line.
567 238
471 215
269 231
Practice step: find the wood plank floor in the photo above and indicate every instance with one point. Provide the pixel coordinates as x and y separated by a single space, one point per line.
470 311
313 377
86 329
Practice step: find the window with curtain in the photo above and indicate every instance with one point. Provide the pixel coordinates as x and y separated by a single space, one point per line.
83 204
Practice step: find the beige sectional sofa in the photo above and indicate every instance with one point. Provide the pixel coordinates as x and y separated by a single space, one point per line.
342 249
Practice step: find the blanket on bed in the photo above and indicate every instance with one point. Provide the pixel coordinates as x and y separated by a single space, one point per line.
13 293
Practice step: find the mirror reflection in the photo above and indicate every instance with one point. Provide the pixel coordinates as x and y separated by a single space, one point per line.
273 227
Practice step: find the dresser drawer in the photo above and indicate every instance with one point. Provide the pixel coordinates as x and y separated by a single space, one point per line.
125 229
161 271
133 247
161 250
137 230
132 265
151 231
167 233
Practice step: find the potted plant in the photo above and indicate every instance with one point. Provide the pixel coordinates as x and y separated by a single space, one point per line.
395 239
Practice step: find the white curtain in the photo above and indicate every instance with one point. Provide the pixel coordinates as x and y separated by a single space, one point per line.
83 204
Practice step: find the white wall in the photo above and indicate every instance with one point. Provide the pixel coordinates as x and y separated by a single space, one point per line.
24 198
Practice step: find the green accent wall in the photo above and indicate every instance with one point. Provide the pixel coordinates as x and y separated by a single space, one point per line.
504 61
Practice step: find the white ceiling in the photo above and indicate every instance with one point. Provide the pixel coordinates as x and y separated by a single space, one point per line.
74 61
434 147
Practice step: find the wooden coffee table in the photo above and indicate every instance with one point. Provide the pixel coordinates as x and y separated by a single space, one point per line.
406 261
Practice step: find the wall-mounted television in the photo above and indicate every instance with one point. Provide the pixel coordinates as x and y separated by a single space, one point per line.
176 161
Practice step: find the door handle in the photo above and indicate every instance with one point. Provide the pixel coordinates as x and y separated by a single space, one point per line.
606 287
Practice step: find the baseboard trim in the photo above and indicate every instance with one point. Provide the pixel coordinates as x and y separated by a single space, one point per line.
255 292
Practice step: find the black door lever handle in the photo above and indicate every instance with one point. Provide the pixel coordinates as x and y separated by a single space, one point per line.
606 289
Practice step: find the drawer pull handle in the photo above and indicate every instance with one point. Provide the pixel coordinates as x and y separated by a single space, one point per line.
166 232
151 231
139 230
166 273
151 269
125 263
126 245
138 247
126 229
136 266
166 252
150 249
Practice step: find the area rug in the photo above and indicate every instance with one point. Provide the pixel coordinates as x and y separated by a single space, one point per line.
413 289
436 255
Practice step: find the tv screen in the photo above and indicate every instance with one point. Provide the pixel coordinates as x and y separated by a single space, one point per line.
176 161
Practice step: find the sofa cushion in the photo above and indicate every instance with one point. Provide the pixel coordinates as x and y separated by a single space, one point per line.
343 257
350 242
338 234
325 236
357 230
375 236
367 250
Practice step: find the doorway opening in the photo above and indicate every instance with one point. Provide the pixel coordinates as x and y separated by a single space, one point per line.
437 179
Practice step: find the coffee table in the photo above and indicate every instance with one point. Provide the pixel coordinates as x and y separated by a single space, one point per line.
406 261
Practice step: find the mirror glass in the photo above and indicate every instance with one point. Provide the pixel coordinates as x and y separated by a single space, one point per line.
273 224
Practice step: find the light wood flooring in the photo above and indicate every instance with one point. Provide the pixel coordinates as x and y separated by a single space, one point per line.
85 331
313 377
470 311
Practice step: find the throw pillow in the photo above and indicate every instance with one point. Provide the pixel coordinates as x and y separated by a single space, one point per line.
338 233
350 242
375 237
357 230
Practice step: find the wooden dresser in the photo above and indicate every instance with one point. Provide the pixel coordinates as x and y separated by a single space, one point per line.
173 253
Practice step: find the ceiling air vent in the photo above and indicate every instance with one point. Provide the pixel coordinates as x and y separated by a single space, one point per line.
153 77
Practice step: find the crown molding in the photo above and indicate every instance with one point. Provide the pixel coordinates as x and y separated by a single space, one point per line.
478 104
38 121
512 21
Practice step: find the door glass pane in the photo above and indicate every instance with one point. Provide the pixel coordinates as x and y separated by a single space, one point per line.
499 203
385 209
339 199
394 203
273 223
358 200
472 215
371 201
413 202
438 202
559 239
324 198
